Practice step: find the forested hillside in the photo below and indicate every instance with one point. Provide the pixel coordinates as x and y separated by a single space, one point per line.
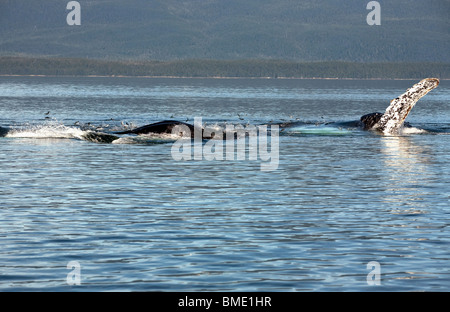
221 68
296 30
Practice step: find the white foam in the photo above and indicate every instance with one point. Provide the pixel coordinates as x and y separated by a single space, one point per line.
47 131
55 130
412 130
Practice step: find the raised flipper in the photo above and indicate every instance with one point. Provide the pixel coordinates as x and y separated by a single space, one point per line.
393 118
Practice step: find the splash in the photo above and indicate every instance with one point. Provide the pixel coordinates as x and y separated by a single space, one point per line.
55 130
47 131
412 130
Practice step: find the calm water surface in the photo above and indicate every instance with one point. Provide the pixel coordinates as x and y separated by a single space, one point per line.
137 220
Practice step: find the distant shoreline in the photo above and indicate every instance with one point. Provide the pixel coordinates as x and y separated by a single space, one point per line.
218 78
219 69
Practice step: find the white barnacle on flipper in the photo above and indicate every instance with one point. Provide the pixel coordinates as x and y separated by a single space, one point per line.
393 118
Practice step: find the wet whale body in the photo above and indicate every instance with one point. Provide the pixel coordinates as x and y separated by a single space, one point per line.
3 131
168 127
161 127
389 122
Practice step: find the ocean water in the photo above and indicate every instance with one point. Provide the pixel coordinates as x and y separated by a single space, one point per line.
77 215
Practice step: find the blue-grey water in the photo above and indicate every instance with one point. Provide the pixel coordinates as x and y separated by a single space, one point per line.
135 219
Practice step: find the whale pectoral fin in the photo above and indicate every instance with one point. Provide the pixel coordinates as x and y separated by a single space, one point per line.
399 108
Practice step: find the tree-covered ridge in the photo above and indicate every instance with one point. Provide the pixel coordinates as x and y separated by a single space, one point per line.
299 30
221 68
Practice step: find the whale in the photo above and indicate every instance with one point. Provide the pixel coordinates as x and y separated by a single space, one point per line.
4 131
389 122
161 127
392 120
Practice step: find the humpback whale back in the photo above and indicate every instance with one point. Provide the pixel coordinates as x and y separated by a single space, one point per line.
165 126
394 116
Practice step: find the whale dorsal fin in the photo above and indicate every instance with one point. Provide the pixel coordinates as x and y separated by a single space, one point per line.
395 115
